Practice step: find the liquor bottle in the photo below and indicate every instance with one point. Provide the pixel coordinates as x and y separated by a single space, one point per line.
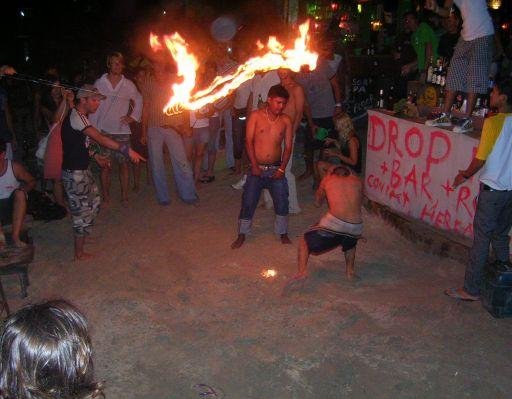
380 101
439 71
391 97
440 99
478 107
410 97
260 102
464 106
485 108
430 70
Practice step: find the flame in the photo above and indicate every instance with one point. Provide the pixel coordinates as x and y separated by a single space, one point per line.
268 273
276 57
154 42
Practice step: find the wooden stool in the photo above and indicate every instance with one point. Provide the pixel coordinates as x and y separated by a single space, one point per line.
16 261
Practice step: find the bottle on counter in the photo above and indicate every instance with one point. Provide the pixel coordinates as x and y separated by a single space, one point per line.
464 106
391 97
440 99
478 107
430 70
260 102
439 71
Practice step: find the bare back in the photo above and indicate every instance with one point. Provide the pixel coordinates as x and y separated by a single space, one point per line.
268 136
344 196
295 104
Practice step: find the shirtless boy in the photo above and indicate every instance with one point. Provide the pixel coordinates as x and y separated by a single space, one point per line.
267 129
294 109
341 226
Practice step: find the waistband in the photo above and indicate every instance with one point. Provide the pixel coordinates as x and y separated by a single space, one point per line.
267 166
331 222
485 187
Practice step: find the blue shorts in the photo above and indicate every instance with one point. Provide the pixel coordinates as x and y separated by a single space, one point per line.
320 240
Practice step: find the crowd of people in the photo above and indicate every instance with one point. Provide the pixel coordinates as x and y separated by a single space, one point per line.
119 120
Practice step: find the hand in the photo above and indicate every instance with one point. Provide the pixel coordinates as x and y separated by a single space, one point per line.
67 94
103 161
430 4
313 129
255 170
328 152
330 140
278 174
459 179
126 120
135 157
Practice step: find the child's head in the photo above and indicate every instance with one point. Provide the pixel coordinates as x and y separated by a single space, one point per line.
344 127
46 353
501 95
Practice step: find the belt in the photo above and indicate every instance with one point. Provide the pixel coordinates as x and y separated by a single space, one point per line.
268 166
485 187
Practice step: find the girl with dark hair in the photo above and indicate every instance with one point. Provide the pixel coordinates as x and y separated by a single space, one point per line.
46 353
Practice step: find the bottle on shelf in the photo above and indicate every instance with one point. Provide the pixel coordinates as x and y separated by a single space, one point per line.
478 107
380 101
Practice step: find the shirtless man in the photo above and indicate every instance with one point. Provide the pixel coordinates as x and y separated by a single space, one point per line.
294 109
341 226
267 129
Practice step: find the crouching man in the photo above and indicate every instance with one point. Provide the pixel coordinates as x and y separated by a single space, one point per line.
15 183
341 226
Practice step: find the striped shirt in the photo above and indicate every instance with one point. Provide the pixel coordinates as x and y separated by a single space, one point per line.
156 95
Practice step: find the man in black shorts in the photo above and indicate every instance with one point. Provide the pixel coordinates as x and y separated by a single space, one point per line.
341 226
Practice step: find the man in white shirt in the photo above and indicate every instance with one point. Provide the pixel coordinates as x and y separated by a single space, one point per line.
113 118
471 60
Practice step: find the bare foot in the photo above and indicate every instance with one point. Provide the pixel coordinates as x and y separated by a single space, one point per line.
239 241
352 276
83 256
285 239
19 244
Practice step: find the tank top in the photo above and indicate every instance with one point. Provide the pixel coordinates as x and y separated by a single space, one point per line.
8 182
345 150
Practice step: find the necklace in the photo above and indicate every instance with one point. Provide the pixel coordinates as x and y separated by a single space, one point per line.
268 116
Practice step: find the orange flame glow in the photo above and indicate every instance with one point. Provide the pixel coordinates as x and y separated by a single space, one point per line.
154 42
276 57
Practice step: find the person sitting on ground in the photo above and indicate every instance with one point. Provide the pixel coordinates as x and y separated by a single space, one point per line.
341 226
46 353
13 196
346 148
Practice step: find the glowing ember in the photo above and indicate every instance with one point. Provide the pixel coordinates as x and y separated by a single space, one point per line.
269 273
276 57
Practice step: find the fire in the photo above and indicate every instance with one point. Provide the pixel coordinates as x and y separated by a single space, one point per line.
154 42
276 57
268 273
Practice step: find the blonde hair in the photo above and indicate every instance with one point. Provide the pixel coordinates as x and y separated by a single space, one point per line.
344 126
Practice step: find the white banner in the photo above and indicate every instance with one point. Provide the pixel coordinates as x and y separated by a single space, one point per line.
410 167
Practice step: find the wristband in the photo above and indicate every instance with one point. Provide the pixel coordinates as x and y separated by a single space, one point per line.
125 150
337 105
280 170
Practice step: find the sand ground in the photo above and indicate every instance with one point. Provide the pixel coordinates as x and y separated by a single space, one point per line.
171 306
